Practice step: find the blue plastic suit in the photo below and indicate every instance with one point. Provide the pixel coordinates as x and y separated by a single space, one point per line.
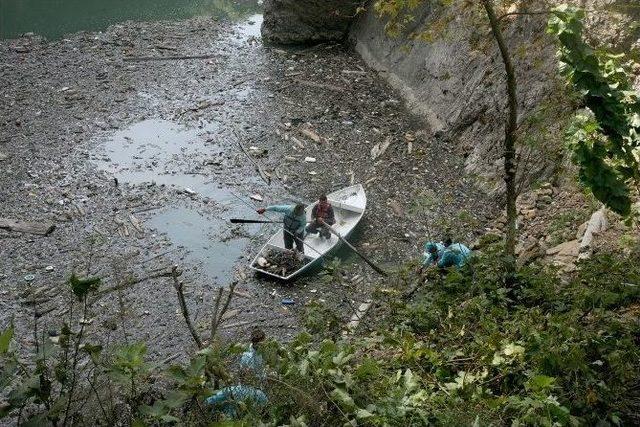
454 255
227 398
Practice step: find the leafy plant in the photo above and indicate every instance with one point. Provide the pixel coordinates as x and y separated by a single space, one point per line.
604 139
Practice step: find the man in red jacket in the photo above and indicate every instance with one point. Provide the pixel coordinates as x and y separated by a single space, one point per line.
322 211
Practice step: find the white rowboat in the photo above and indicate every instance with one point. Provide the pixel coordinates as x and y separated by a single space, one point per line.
348 204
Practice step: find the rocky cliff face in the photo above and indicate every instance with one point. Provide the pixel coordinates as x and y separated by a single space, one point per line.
453 77
306 21
447 67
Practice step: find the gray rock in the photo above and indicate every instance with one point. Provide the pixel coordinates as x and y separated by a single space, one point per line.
306 21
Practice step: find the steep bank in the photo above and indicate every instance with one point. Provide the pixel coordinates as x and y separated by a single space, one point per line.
448 69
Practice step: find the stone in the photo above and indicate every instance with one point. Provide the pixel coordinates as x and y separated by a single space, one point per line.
569 249
530 252
581 230
306 21
596 225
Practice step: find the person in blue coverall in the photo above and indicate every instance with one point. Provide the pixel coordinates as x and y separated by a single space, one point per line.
251 366
295 222
446 254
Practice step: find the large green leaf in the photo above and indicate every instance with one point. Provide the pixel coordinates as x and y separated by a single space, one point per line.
5 339
81 287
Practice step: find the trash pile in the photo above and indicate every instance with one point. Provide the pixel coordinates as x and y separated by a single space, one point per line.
281 263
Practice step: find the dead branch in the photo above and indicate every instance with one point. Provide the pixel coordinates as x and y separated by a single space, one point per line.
178 285
168 58
216 318
265 176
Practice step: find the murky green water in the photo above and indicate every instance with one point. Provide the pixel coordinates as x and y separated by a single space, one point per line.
54 18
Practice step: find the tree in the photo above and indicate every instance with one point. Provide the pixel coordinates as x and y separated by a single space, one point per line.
509 149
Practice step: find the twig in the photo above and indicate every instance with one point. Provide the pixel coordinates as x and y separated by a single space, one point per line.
93 387
132 281
214 315
183 306
265 177
75 362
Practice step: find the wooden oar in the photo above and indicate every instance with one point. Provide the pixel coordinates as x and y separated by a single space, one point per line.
343 240
252 221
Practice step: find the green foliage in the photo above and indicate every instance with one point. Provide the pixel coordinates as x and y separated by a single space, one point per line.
321 320
81 287
605 140
5 339
465 351
468 351
128 366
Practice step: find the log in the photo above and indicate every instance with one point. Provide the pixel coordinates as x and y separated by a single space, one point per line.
167 58
317 85
40 228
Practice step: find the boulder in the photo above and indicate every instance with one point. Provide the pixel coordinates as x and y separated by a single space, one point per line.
596 225
566 249
307 21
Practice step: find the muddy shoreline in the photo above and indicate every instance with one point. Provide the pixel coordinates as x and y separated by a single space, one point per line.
65 103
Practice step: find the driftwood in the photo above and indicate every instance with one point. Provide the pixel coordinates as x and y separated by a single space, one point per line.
265 176
41 228
357 317
320 85
167 58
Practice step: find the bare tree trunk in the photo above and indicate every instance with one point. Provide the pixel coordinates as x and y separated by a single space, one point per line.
509 144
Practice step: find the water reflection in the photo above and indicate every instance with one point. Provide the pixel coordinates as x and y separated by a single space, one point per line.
54 18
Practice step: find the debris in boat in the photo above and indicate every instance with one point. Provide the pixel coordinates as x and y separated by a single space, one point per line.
281 263
29 278
49 268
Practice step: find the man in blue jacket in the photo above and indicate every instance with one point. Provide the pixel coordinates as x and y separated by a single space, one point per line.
446 254
295 221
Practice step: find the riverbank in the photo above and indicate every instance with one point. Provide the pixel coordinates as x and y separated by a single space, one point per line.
70 103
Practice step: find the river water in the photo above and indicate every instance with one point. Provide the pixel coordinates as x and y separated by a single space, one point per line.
54 18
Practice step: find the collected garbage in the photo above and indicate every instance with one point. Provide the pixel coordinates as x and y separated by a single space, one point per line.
280 262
